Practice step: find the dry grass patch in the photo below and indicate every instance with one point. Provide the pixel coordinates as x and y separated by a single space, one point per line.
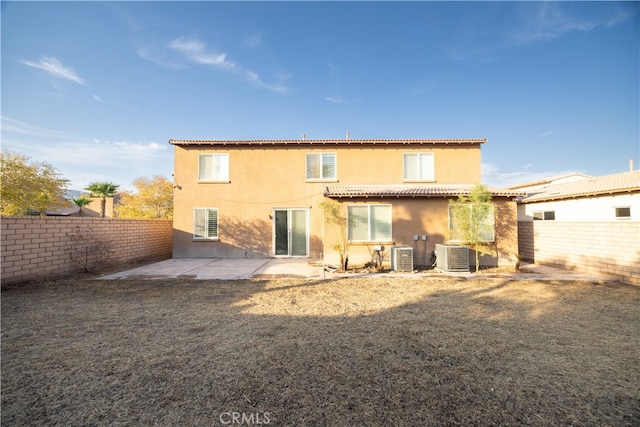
354 351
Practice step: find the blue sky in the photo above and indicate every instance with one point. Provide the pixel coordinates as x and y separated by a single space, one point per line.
97 89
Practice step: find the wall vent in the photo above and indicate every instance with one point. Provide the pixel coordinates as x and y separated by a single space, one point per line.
452 257
402 258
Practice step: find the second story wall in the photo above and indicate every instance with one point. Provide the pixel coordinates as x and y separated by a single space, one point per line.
256 167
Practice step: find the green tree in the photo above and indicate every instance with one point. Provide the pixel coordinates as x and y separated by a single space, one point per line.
104 190
81 202
472 220
28 185
153 199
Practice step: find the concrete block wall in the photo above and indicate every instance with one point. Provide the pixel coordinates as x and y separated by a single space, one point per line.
611 247
38 248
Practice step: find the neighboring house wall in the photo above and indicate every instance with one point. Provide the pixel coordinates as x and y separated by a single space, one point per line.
601 208
94 209
588 224
611 247
39 248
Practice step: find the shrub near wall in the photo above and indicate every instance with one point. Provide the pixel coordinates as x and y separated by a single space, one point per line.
37 248
611 248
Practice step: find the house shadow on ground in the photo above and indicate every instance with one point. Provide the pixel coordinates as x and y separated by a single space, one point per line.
374 351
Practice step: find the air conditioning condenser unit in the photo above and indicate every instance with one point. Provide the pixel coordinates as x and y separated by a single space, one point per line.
402 258
453 258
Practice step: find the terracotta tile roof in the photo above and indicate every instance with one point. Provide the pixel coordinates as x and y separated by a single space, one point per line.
625 182
409 190
253 142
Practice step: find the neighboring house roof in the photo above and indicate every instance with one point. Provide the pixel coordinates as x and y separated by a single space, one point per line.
558 179
408 190
625 182
305 141
62 211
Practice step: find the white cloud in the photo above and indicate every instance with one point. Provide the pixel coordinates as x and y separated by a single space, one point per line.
197 52
55 68
83 160
158 57
97 98
550 21
545 22
546 133
335 100
17 127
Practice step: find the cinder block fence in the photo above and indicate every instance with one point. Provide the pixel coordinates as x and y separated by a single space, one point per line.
611 248
38 248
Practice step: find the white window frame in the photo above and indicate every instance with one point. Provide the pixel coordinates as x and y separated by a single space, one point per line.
370 231
224 177
322 177
423 175
620 217
207 234
492 218
543 215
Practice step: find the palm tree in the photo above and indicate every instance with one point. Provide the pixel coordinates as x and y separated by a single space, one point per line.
104 190
80 202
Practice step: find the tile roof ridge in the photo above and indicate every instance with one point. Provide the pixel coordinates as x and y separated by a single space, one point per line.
309 141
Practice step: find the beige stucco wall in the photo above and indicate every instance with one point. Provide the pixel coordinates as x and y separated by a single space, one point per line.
428 217
264 178
94 209
409 217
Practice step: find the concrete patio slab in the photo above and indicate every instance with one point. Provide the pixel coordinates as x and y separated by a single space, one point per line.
234 269
225 269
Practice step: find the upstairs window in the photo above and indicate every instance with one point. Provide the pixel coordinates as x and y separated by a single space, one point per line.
205 224
213 167
623 213
469 221
321 166
544 216
369 223
419 167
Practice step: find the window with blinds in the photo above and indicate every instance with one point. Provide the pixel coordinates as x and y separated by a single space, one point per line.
419 167
470 220
321 166
205 224
213 167
369 223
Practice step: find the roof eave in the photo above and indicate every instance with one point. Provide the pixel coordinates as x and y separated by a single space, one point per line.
581 195
311 142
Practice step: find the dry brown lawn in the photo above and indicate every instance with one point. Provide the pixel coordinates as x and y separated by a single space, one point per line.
355 351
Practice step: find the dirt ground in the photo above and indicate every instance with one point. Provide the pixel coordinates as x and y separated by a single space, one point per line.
354 351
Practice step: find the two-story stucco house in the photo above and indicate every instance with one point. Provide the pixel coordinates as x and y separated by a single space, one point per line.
263 198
